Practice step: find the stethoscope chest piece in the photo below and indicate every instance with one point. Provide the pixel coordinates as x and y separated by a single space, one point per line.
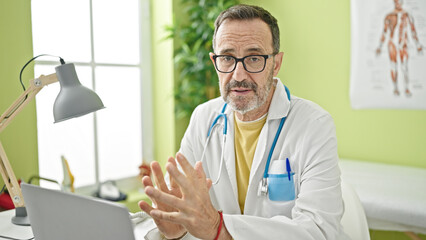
263 188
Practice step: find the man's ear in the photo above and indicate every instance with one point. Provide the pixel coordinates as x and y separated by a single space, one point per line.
211 57
278 60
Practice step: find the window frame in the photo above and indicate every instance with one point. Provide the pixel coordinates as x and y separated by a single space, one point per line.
145 68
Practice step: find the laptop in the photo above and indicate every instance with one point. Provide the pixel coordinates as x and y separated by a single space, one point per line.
59 215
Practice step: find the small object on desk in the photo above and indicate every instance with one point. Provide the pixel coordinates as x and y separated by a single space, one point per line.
68 183
109 191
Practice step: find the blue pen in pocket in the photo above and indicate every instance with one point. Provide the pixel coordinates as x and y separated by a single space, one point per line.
288 169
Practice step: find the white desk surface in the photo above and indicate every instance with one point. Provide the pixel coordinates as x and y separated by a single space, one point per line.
10 230
393 197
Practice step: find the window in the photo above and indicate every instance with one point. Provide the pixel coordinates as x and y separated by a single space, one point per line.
109 42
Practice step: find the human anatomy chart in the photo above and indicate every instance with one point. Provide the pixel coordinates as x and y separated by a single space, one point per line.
388 54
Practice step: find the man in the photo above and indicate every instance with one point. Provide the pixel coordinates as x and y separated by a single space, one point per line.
299 196
397 25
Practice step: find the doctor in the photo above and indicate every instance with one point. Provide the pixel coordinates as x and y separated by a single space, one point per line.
275 174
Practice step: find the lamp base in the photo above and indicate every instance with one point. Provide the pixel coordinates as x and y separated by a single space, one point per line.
21 217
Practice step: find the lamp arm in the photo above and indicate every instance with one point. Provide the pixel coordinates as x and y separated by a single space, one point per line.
35 86
5 169
10 179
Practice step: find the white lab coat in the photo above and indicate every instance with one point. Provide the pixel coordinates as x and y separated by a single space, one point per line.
308 139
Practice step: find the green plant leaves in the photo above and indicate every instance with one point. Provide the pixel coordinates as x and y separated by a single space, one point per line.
197 80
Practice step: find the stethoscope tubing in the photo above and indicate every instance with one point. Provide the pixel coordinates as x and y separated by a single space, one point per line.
222 157
277 135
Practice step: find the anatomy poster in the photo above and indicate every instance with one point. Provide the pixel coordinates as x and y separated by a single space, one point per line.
388 54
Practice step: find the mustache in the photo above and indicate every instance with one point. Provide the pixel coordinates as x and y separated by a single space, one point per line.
242 84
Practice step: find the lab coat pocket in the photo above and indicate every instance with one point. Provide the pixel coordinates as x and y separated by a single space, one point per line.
281 187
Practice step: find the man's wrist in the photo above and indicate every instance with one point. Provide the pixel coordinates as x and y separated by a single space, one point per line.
219 228
224 234
183 235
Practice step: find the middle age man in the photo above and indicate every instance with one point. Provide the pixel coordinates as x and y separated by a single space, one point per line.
298 196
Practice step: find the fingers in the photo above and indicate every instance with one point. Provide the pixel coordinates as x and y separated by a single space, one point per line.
186 166
173 183
159 177
144 206
199 170
209 183
146 181
180 179
192 176
166 216
165 198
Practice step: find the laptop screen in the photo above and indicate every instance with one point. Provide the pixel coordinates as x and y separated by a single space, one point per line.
58 215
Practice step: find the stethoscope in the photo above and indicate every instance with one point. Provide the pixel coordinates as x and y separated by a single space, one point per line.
263 188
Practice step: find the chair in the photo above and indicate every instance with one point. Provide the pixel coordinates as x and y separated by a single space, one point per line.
354 221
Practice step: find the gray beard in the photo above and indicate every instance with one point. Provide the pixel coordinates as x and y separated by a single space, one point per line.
260 97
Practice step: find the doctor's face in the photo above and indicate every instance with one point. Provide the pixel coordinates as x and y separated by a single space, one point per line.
242 90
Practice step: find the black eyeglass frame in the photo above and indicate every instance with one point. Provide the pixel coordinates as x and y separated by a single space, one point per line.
242 61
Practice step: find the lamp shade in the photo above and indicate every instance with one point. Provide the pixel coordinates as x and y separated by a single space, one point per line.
74 100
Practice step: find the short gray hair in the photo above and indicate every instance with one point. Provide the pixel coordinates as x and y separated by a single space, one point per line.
248 12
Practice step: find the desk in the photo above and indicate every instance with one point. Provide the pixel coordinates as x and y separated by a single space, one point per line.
393 197
8 229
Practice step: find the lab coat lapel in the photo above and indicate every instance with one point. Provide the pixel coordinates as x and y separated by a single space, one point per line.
230 153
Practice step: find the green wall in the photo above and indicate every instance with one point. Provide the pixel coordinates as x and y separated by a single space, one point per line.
162 61
20 138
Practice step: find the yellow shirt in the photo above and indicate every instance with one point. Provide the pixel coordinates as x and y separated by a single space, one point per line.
246 137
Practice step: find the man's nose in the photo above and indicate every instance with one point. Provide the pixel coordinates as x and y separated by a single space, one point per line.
240 74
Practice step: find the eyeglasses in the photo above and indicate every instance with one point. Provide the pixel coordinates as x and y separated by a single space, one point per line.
251 63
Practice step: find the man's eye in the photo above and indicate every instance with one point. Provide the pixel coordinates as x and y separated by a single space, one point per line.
254 59
227 59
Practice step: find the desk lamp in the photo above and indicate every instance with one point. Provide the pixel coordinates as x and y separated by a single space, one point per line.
73 100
